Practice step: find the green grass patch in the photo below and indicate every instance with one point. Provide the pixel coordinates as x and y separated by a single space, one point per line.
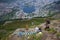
52 30
58 35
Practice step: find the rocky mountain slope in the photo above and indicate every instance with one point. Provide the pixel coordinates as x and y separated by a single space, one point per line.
52 8
14 9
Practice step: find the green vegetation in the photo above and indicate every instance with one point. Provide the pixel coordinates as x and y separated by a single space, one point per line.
58 35
10 27
52 30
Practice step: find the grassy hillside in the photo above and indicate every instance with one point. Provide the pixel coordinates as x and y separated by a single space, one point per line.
8 28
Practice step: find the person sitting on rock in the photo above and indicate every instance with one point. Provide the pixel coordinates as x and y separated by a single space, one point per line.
47 21
47 24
